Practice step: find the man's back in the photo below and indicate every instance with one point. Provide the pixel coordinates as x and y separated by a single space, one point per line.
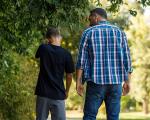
106 54
54 61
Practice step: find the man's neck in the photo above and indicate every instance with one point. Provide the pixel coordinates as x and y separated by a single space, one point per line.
103 19
103 22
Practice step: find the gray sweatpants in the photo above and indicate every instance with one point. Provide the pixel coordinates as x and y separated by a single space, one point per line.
46 105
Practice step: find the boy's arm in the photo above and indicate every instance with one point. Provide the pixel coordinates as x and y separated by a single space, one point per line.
69 69
68 83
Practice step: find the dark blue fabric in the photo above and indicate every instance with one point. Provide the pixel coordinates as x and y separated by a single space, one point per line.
96 94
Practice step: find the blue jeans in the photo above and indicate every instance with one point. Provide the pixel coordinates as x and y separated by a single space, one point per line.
96 94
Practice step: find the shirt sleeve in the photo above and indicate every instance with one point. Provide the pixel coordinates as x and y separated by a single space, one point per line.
38 52
83 53
126 54
69 64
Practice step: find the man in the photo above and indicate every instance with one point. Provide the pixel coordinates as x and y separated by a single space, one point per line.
104 61
50 90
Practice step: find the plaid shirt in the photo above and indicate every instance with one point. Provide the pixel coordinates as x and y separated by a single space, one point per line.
104 54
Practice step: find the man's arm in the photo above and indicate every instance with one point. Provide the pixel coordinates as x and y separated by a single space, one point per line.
82 56
79 86
68 83
126 55
127 65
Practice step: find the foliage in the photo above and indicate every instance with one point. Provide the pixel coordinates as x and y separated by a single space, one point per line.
16 87
74 102
22 26
139 36
128 104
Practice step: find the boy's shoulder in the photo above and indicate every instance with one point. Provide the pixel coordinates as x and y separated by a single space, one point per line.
65 50
42 45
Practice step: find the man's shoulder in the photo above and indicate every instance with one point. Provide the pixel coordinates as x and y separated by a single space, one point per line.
107 26
103 26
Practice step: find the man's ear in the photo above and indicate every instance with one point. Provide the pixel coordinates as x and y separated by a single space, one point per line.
99 17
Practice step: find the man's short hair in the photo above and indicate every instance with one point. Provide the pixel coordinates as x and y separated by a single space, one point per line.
100 12
52 32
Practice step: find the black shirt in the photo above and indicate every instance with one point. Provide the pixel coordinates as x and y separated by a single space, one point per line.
54 61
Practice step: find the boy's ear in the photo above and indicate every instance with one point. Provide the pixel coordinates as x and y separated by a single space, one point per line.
50 40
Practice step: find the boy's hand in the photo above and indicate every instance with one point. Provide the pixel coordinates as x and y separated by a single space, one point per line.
80 88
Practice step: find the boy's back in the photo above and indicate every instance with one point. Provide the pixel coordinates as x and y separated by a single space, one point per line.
54 61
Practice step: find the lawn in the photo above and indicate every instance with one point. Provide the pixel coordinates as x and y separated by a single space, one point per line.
75 115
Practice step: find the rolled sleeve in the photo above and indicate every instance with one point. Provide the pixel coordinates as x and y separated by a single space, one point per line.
126 55
83 53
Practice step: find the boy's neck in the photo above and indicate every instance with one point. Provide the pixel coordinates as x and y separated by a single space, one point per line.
56 43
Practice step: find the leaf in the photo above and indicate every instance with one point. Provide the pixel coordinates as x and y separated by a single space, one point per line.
133 12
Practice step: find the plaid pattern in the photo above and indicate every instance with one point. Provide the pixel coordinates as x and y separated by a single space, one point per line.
104 54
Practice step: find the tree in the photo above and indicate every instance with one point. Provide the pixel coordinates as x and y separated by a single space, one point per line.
22 27
139 36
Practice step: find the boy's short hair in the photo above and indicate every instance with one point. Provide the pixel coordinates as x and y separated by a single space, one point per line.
52 32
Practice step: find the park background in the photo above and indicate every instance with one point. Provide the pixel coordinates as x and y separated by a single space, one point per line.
23 24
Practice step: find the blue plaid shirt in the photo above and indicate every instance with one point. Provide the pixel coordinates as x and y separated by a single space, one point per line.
104 54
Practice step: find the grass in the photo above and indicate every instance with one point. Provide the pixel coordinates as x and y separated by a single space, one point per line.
75 115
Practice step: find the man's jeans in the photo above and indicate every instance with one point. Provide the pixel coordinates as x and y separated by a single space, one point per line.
55 107
96 94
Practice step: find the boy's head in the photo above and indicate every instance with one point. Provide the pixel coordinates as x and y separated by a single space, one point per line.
53 35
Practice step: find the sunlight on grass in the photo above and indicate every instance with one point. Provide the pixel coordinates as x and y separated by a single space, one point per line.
76 115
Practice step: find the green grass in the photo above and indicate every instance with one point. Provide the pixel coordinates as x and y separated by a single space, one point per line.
123 116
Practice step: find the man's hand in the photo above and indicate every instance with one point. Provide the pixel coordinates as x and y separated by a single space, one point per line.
79 85
126 86
80 88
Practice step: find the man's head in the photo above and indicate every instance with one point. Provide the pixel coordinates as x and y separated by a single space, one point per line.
97 15
53 35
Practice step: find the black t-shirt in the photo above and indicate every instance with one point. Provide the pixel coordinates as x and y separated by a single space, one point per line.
54 61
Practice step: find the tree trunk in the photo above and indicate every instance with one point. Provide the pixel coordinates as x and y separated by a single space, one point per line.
145 106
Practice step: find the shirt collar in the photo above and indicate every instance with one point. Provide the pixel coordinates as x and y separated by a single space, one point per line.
103 22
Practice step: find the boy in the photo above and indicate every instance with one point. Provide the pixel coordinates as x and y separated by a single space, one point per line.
50 90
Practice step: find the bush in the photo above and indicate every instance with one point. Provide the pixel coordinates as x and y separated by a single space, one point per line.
128 104
16 87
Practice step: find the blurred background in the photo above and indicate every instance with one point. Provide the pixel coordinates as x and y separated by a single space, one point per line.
23 24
